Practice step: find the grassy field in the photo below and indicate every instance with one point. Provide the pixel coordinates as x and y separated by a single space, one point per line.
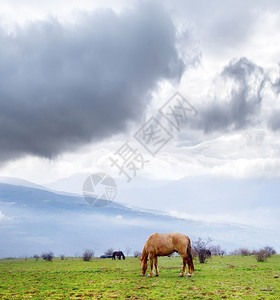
221 277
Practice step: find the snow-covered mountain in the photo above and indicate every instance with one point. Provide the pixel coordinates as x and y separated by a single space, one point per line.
74 183
247 201
33 220
21 182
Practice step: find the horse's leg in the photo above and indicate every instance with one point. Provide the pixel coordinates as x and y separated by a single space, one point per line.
152 266
183 272
189 267
185 261
156 265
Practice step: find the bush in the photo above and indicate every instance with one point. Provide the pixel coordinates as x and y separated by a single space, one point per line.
245 251
62 256
36 257
137 253
201 249
242 251
48 256
217 250
88 254
261 255
269 250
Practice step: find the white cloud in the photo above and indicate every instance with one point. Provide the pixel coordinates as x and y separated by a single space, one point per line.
4 217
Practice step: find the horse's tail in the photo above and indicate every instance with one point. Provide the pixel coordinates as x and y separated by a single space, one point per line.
123 255
190 257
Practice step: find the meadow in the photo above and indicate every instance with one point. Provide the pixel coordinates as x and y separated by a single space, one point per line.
222 277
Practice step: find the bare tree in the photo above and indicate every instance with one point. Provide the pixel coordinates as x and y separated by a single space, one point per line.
109 252
242 251
261 255
269 250
245 251
201 249
48 256
137 253
127 250
88 254
217 250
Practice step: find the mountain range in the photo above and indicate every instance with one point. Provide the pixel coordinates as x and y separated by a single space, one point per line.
34 219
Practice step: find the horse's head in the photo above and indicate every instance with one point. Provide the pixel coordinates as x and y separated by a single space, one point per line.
143 262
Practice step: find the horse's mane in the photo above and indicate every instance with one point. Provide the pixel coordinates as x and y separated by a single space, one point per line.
144 253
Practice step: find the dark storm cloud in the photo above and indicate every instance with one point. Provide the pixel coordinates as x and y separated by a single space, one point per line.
66 85
245 82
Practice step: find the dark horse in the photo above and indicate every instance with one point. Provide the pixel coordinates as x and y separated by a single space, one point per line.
165 244
118 254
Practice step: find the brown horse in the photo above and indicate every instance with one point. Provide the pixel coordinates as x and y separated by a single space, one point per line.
165 244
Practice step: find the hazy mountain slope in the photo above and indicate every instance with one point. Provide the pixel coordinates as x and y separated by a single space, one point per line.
34 220
20 182
247 201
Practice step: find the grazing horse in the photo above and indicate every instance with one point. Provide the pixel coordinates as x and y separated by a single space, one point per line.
165 244
118 254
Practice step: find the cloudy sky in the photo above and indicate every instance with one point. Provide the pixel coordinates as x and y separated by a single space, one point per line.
80 78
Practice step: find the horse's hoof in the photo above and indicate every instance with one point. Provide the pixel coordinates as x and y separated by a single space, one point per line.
142 274
181 275
189 275
157 275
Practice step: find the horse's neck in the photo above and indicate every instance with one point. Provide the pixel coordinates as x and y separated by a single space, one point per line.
144 252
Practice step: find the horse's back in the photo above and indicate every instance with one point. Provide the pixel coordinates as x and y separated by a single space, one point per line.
180 237
167 243
168 236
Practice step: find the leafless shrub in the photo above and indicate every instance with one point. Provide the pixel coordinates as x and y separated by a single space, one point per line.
87 255
241 251
245 251
261 255
201 249
217 250
270 250
137 253
109 252
48 256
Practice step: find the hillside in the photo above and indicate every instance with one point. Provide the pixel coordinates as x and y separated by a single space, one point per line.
34 220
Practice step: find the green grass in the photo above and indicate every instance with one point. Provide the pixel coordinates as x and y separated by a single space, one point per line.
221 277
